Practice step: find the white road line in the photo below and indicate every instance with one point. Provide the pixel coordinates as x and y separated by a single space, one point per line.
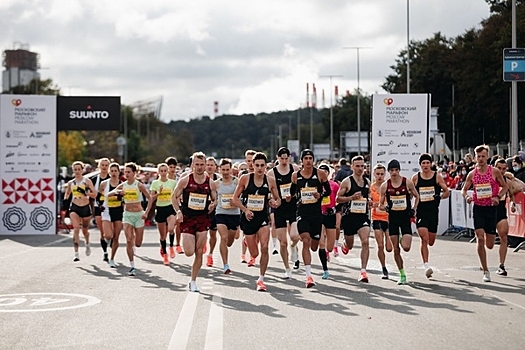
181 334
8 256
214 332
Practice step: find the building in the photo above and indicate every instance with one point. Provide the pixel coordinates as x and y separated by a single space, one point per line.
21 66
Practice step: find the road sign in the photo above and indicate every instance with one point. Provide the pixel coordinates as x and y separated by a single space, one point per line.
514 64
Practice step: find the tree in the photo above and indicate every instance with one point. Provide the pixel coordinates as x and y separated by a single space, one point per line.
37 87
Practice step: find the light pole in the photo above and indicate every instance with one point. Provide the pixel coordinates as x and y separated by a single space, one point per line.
331 111
408 46
514 87
357 48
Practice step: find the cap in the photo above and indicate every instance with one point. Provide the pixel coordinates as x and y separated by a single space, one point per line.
283 150
425 156
393 164
324 167
307 152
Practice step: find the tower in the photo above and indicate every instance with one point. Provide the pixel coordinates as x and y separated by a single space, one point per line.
21 66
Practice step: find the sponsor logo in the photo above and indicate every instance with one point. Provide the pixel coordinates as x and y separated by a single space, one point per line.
15 134
13 171
88 114
416 144
381 153
405 153
9 163
31 171
14 146
32 146
416 153
46 154
386 144
40 134
45 170
26 163
392 153
16 102
34 154
20 154
9 154
45 146
410 133
415 169
388 101
403 145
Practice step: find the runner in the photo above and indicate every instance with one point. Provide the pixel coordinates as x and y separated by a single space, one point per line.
103 166
112 210
329 222
172 174
429 187
380 219
255 188
246 167
489 187
285 214
198 200
81 189
211 170
161 191
227 215
133 217
311 185
354 194
396 193
502 226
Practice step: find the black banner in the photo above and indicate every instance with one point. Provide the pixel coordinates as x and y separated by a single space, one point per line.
88 113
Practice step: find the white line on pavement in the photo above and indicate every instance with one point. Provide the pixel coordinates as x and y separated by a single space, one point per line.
214 332
181 334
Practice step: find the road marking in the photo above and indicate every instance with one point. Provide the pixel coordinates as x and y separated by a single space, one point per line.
46 302
9 256
181 334
214 333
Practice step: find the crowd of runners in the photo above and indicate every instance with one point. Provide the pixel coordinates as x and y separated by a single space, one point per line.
289 207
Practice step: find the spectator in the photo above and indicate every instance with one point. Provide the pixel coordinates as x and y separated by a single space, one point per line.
461 175
469 162
449 181
343 172
518 169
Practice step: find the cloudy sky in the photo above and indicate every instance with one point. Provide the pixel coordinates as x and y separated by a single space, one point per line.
250 56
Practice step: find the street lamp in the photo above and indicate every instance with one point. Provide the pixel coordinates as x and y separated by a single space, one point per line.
331 112
357 48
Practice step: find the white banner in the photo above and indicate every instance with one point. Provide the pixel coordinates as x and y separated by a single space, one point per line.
459 213
443 223
400 130
28 164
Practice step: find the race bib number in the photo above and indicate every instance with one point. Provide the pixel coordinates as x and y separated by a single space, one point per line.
483 191
255 202
197 201
307 195
426 194
399 203
226 201
164 195
285 190
114 202
326 200
358 206
131 196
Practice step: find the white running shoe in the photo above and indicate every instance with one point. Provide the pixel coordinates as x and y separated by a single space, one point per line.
88 250
287 274
486 276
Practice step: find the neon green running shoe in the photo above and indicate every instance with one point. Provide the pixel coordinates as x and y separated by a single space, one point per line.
402 280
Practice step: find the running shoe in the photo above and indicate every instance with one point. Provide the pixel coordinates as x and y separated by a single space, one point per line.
209 261
384 276
336 251
112 264
363 277
296 265
327 256
287 274
344 249
310 282
179 250
275 251
486 276
77 258
226 269
106 258
260 286
165 259
402 280
251 262
243 259
132 272
88 250
326 274
429 272
501 270
193 287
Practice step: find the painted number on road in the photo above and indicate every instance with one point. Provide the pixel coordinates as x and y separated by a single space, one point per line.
36 302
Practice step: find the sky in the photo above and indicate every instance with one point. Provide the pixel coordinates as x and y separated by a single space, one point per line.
250 56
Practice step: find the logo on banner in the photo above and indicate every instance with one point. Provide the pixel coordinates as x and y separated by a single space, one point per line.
388 101
28 191
41 218
88 113
16 102
14 219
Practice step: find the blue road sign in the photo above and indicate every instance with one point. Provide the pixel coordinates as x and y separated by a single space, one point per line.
514 64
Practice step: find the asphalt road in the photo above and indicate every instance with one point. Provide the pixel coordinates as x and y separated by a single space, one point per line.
49 302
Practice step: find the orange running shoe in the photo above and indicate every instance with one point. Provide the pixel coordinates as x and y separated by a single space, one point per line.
251 262
260 286
179 249
209 261
172 253
165 259
310 282
344 249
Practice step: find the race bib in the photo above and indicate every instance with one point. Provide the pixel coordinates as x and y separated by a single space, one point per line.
426 194
326 200
131 196
114 202
358 206
399 203
197 201
164 195
226 201
307 195
483 191
285 190
255 202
